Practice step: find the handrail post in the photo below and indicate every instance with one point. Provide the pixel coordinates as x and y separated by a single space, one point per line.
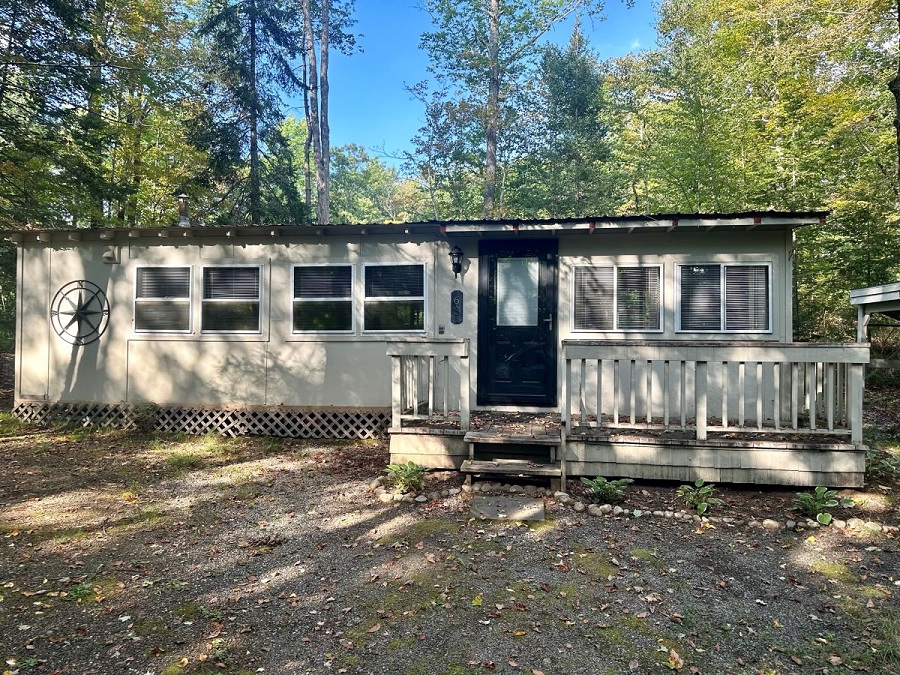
464 388
856 402
396 392
700 399
567 397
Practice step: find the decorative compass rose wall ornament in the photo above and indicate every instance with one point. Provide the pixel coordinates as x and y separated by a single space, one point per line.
79 312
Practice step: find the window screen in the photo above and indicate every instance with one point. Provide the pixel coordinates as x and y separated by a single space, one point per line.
725 298
617 298
323 298
162 299
394 298
231 299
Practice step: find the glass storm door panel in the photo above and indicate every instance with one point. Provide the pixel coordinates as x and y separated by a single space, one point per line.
517 323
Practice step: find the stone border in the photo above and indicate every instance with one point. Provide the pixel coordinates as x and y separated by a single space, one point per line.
597 510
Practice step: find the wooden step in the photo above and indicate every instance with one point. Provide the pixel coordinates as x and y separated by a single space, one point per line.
512 439
510 467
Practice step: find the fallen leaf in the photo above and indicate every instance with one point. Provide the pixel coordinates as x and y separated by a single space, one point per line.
535 671
184 662
477 601
835 660
375 628
674 661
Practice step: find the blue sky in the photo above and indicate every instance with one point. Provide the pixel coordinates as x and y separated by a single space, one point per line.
369 105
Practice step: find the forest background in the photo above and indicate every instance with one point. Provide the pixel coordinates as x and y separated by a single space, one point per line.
111 108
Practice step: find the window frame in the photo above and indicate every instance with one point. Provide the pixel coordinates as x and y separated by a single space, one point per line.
189 301
364 299
259 299
350 298
615 305
723 297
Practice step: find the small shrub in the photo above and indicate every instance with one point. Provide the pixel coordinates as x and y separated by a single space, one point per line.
699 496
815 503
883 464
143 418
408 477
607 491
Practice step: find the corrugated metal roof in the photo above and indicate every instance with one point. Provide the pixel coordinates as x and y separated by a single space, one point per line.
743 220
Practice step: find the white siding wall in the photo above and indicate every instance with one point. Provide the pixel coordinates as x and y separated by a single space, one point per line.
277 367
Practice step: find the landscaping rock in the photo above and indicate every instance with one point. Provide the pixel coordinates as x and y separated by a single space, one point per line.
872 526
659 514
385 497
375 484
617 511
421 499
446 493
838 523
594 510
407 499
516 489
578 506
452 492
399 497
669 514
856 523
606 508
790 525
466 487
433 495
769 524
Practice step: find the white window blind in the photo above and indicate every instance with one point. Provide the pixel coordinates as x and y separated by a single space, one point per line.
323 298
637 296
231 299
594 293
701 297
747 298
162 299
732 298
617 298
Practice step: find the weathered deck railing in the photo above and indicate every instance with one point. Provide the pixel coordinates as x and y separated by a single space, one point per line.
423 374
786 388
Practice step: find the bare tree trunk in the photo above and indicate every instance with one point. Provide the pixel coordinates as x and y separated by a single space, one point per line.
312 120
255 206
323 181
493 109
894 87
307 144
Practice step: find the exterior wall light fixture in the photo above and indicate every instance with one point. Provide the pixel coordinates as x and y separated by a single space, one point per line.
456 256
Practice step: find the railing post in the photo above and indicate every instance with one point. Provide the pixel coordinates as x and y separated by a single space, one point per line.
464 387
567 397
856 402
396 391
700 399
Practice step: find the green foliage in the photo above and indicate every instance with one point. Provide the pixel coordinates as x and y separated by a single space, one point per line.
408 477
699 496
815 503
883 464
607 491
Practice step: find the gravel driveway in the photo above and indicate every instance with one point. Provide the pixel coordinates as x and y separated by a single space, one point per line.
125 554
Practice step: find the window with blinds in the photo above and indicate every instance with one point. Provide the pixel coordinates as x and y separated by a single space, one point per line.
617 298
725 298
394 298
323 298
231 300
162 299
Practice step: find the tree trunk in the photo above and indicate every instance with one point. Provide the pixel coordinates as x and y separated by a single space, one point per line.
323 181
312 120
307 144
255 200
94 116
894 87
492 123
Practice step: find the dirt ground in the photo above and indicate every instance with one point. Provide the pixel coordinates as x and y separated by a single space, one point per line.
128 554
124 553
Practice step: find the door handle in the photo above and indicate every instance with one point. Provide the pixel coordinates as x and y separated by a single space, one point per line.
549 319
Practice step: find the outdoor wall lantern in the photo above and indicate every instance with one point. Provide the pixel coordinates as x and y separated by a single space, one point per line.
456 256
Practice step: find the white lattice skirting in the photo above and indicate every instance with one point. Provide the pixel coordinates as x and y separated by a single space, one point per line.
350 423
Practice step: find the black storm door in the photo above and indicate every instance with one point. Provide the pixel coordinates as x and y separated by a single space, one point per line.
517 323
